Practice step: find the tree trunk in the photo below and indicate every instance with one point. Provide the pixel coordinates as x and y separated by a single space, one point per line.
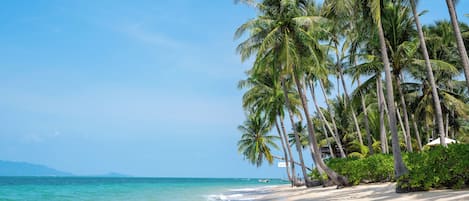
297 138
328 141
336 131
447 125
452 129
417 133
399 118
381 106
365 119
290 153
337 139
399 166
460 43
408 141
431 78
336 178
284 148
348 102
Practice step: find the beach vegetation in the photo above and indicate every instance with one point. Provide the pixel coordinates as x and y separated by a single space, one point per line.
435 168
387 86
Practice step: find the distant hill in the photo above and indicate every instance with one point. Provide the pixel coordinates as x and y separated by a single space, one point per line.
9 168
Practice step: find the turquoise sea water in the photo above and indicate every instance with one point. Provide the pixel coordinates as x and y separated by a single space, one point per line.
129 189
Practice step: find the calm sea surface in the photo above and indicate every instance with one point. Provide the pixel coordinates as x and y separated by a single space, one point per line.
129 189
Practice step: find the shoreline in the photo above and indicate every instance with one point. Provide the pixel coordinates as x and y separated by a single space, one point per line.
375 191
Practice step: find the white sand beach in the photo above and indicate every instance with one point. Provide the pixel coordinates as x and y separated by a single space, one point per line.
381 191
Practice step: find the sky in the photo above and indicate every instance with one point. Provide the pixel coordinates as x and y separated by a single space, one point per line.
144 88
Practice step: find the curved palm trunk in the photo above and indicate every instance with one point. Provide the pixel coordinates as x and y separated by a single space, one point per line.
337 139
408 141
347 101
328 142
365 119
297 138
399 118
460 43
336 178
290 153
417 133
431 78
399 166
284 151
336 131
382 125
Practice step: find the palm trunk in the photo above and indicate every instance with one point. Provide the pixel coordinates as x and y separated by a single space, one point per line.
336 131
328 141
417 133
452 129
447 125
460 43
408 141
399 118
365 119
290 153
297 138
337 139
284 151
431 78
382 125
348 103
399 166
336 178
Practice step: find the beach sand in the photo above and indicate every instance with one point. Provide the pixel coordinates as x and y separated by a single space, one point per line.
380 191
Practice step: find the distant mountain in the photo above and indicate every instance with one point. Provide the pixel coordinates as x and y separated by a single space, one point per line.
10 168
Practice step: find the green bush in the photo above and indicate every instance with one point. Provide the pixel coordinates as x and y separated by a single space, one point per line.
378 167
436 167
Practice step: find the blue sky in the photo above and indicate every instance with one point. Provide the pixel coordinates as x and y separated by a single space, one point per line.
146 88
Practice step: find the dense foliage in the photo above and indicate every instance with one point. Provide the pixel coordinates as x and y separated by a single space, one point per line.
437 167
404 93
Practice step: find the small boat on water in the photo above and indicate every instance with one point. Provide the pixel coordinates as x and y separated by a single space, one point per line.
264 180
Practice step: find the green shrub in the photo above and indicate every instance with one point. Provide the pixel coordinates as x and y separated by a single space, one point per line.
378 167
436 167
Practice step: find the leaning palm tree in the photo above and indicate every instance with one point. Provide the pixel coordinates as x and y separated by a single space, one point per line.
374 8
265 94
430 77
459 39
256 143
284 31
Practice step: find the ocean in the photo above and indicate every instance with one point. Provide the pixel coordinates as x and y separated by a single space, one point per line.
128 189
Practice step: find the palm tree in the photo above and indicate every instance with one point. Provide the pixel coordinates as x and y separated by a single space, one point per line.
431 78
266 96
255 143
459 39
399 166
282 30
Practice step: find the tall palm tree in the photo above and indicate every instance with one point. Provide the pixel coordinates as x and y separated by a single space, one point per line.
256 143
265 95
459 39
375 10
283 31
431 78
339 12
